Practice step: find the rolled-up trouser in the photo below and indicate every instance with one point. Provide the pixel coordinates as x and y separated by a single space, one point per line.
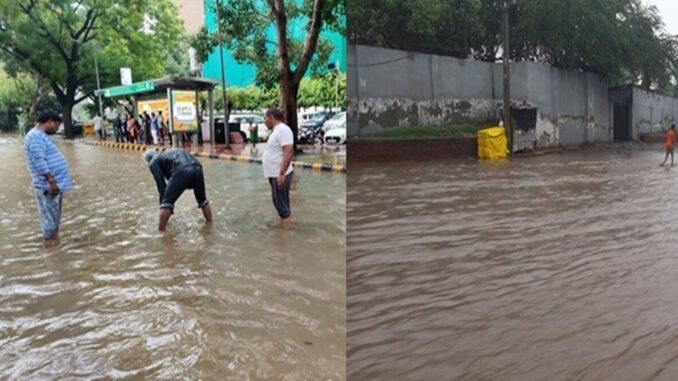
49 212
281 196
188 177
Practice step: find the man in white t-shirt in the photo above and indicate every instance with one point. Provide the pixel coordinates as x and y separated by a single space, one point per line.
99 126
277 161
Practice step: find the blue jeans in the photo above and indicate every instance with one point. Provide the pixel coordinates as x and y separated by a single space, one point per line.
49 212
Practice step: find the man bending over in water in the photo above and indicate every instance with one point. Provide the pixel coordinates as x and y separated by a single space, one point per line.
183 171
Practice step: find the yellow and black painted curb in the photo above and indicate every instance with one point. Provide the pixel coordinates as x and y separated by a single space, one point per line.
338 168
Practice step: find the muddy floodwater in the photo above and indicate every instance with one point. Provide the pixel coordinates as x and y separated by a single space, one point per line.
118 300
558 267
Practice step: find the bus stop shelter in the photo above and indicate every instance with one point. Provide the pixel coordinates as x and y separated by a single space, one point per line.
165 86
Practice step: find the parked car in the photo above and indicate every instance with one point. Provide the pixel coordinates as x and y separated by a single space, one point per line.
336 121
336 136
78 128
246 120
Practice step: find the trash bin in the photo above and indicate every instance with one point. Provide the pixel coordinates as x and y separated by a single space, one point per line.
219 132
492 143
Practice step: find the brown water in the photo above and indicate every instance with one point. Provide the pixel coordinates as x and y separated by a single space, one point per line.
560 267
119 300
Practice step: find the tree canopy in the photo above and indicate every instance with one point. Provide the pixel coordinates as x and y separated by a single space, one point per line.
58 40
621 40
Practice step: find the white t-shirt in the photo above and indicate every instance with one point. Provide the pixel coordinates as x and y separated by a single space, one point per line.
273 155
98 122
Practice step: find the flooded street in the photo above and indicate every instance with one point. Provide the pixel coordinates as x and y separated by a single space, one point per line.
558 267
118 300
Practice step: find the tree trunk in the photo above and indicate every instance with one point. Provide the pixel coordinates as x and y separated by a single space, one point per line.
67 119
288 102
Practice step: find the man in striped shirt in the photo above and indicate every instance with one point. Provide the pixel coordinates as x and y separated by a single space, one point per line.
49 173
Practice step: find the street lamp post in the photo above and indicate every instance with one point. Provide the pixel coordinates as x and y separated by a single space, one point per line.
96 68
223 75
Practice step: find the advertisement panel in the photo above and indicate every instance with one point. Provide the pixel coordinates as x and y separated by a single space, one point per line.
185 113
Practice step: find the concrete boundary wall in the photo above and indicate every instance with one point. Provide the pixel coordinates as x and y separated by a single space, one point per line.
390 88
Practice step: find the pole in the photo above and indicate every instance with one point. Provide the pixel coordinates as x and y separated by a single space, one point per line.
223 75
96 68
507 81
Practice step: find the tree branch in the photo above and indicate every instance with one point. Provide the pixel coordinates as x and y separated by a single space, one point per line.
82 98
46 32
311 41
57 91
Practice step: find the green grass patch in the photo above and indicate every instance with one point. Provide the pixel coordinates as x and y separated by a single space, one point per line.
421 132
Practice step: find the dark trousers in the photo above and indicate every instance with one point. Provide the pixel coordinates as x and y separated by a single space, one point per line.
281 196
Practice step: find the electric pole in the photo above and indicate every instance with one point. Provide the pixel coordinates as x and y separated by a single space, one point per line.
507 80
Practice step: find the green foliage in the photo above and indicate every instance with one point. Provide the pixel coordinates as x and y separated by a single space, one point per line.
248 29
318 91
327 91
18 90
622 40
58 40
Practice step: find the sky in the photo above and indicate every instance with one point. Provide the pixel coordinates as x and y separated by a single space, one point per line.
668 9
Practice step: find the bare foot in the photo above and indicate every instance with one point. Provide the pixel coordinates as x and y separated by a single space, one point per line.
286 223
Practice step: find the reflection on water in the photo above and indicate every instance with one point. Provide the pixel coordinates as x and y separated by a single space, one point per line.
240 299
561 267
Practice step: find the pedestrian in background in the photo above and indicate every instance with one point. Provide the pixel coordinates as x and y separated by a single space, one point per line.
670 140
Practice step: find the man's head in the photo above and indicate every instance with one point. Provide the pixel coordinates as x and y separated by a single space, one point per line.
673 126
160 112
273 117
149 155
153 114
49 122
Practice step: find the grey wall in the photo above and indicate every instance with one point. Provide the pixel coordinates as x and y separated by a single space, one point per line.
651 112
389 88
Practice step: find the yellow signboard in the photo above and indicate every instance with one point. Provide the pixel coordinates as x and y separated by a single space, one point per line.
185 114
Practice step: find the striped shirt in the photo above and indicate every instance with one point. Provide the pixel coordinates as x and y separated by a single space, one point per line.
43 158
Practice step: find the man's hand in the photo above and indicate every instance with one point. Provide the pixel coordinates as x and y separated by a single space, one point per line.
53 188
281 181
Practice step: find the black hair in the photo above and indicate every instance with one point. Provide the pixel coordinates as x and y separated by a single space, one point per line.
49 116
275 114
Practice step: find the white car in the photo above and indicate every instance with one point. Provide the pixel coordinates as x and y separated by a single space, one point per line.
336 136
337 120
246 120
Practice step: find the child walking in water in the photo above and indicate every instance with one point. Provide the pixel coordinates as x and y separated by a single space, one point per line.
670 139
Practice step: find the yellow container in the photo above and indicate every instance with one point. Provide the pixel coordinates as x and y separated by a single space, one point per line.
492 143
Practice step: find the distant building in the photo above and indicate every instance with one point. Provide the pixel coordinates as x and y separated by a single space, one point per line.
192 12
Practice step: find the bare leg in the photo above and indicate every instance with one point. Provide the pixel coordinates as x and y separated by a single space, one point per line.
165 214
665 158
207 212
286 223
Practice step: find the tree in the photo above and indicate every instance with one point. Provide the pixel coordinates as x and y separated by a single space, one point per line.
20 93
620 40
285 59
57 40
